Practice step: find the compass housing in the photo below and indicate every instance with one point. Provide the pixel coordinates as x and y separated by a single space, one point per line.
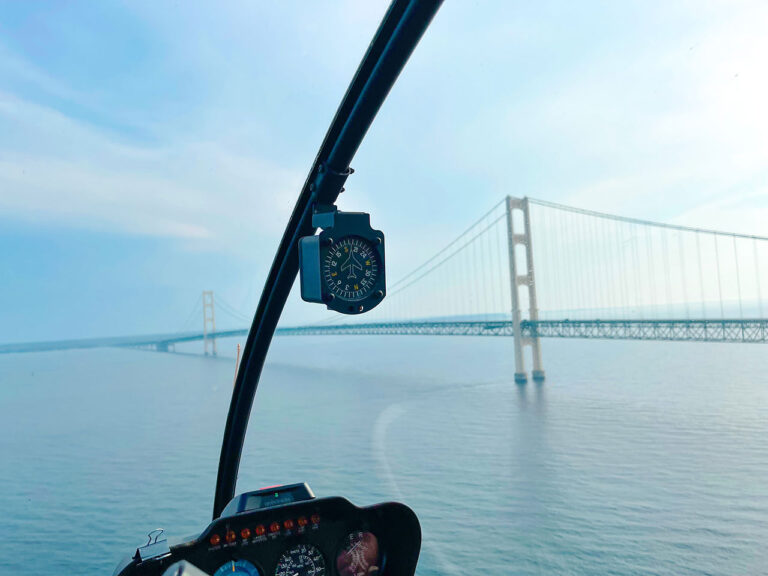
349 230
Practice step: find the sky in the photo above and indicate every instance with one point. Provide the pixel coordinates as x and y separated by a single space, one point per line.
151 150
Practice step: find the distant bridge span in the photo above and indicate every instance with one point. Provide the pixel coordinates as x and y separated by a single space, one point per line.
159 342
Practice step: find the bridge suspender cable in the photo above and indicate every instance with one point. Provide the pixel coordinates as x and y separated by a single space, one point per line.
719 281
757 277
651 270
194 315
738 277
667 282
447 247
701 276
636 266
459 250
683 275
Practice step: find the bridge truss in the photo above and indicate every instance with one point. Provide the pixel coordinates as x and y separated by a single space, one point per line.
734 330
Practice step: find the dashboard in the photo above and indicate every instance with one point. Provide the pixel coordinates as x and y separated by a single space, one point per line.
286 531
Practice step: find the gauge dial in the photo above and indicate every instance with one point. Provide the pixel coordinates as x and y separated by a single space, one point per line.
360 555
351 268
238 568
301 560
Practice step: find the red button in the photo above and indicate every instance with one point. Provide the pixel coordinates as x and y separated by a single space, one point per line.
315 519
302 521
288 524
231 536
274 527
260 530
215 540
245 533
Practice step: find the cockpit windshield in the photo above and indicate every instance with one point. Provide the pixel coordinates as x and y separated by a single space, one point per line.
504 312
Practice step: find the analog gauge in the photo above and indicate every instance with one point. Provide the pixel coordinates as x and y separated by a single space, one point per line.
237 568
351 268
360 555
301 560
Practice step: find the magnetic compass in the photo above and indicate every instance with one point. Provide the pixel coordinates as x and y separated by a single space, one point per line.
343 266
351 268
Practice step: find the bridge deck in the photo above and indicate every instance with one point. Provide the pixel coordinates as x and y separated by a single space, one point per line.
731 330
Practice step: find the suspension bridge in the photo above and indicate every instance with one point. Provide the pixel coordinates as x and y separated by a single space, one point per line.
532 269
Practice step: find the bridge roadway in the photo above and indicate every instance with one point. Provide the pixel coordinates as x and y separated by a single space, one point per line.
160 342
730 330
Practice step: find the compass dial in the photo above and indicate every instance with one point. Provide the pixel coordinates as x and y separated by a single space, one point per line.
351 268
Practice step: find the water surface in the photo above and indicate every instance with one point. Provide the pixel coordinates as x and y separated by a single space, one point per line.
632 458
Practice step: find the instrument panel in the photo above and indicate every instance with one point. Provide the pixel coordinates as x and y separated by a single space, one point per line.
318 537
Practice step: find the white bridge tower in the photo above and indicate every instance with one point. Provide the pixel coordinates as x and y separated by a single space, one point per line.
209 323
527 280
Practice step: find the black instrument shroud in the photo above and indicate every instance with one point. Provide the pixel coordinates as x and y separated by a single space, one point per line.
394 525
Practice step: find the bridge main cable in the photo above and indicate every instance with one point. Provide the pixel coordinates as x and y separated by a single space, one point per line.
628 219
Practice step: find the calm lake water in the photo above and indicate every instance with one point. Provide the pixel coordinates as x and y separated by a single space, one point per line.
633 457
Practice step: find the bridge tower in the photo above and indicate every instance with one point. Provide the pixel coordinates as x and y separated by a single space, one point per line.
527 280
209 323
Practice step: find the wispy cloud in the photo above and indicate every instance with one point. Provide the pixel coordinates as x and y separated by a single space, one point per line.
77 153
59 170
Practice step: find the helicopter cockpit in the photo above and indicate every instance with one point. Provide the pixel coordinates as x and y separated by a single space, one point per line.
285 530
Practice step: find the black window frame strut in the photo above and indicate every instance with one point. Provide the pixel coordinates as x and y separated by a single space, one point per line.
398 34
